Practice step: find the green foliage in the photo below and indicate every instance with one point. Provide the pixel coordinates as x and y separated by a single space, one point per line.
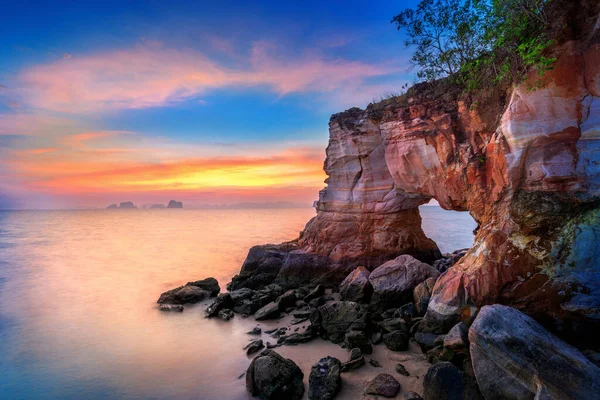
478 42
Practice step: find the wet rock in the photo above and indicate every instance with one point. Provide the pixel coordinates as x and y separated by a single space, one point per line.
221 302
374 363
324 381
504 340
274 378
241 294
270 311
255 331
356 287
288 299
319 301
316 292
358 339
394 281
383 385
422 295
211 285
376 338
225 314
356 360
246 307
295 338
339 317
277 333
393 324
272 345
171 307
254 346
396 341
407 312
457 339
183 295
401 370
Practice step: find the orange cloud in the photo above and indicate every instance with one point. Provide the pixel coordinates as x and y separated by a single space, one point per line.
150 76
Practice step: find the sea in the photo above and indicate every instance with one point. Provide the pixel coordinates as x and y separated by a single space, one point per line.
78 291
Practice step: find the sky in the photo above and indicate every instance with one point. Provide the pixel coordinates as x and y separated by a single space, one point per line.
218 102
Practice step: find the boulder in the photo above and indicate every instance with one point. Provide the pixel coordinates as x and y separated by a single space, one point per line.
211 285
270 311
396 341
394 281
427 340
458 338
514 357
221 302
393 324
241 294
316 292
246 306
324 381
183 295
337 318
383 385
356 287
274 378
358 339
254 346
444 381
171 307
288 299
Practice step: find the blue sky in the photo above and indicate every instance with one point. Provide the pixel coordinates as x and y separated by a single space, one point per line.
207 80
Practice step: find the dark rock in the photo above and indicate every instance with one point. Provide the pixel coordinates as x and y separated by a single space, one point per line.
316 292
356 287
270 311
339 317
183 295
389 313
175 204
297 321
225 314
394 281
401 370
268 332
514 357
376 338
254 346
393 324
407 312
422 295
246 307
383 385
319 301
241 294
222 301
274 378
413 396
324 381
211 285
171 307
356 360
271 345
288 299
296 338
255 331
279 332
444 381
457 339
396 341
358 339
374 363
426 340
439 354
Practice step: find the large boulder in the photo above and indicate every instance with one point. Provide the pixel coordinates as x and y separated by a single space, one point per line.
422 295
211 285
270 311
514 357
356 287
337 318
183 295
394 281
324 381
274 378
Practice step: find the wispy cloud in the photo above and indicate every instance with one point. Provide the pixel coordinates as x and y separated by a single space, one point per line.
151 76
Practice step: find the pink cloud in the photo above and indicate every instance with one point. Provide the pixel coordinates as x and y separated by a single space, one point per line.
150 76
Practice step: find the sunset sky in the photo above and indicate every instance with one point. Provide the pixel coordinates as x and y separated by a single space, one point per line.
215 102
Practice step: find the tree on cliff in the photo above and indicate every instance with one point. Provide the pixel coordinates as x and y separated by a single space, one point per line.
477 41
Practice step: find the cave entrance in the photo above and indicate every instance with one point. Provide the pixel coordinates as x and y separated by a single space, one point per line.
451 230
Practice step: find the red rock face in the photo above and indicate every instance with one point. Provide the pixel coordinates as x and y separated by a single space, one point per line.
527 167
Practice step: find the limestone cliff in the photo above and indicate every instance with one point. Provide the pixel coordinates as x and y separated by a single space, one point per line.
525 163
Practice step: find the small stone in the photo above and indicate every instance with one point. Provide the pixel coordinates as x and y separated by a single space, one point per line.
358 339
412 396
383 385
374 363
401 370
255 331
356 360
376 338
271 345
297 321
225 314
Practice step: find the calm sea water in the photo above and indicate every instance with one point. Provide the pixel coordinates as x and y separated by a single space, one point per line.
78 318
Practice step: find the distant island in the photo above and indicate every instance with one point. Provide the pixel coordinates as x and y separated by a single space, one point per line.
131 205
175 204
